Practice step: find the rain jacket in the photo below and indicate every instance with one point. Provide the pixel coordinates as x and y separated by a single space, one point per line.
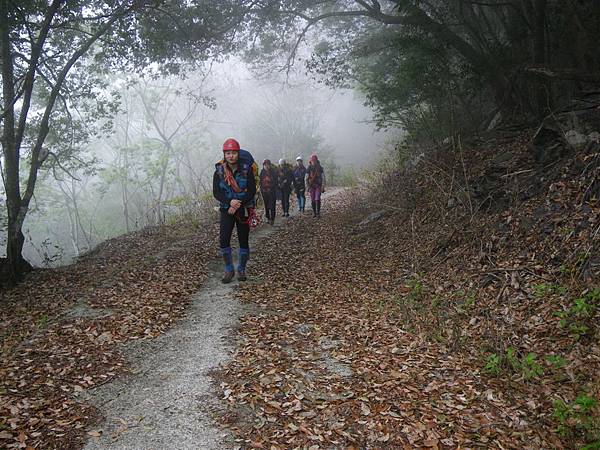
286 178
245 180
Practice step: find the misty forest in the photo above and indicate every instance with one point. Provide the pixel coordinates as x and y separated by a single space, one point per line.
423 262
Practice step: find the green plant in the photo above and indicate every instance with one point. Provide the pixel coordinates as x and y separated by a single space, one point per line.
557 361
578 319
530 368
578 420
416 288
541 290
470 299
493 364
42 321
511 359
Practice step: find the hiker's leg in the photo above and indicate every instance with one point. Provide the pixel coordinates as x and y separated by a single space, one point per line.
318 201
243 257
272 206
228 260
286 202
243 232
266 199
227 222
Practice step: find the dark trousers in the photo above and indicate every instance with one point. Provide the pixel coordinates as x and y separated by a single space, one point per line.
227 223
285 200
269 199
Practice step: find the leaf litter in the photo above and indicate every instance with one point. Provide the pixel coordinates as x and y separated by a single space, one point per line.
369 334
61 328
412 307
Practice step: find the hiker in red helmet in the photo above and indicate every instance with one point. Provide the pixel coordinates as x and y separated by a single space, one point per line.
315 181
234 186
299 183
268 188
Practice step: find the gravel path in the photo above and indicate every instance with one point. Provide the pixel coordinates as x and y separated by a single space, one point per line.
167 403
169 400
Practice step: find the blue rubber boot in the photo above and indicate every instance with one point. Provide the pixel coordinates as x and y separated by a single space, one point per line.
229 270
243 257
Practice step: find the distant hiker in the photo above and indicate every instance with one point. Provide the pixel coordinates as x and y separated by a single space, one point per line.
315 181
299 184
234 186
268 187
286 180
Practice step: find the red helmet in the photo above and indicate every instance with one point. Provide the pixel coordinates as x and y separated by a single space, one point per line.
313 158
231 145
267 161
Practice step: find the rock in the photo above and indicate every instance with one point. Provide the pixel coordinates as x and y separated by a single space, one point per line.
594 136
495 121
548 143
503 159
372 218
575 138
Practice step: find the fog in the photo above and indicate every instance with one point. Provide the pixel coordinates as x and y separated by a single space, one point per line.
342 124
156 164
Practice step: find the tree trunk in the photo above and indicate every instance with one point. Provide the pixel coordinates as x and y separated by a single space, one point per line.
542 89
15 264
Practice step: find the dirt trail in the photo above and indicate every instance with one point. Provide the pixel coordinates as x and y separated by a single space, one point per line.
169 398
168 401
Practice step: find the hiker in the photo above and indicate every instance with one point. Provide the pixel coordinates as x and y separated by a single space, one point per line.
315 180
285 180
234 186
299 185
268 187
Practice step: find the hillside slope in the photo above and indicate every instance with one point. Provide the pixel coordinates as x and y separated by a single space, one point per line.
463 313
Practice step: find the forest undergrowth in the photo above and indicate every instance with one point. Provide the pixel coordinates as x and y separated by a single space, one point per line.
463 313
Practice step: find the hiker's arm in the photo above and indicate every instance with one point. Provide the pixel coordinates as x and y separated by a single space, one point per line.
218 193
250 189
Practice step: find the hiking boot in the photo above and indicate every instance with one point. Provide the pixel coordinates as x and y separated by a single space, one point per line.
243 257
229 269
228 260
227 277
